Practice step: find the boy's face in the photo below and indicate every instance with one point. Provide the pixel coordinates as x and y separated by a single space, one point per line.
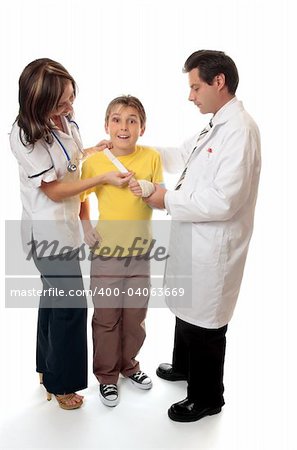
124 128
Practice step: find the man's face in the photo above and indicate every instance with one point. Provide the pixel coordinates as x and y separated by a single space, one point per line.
204 96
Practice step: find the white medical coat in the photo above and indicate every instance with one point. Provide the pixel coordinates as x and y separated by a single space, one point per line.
212 212
42 218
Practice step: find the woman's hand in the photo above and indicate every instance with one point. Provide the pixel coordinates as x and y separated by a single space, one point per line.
117 178
102 145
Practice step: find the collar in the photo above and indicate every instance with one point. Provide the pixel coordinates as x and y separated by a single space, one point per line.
67 134
234 106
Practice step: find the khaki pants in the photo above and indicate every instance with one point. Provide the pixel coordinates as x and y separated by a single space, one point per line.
120 289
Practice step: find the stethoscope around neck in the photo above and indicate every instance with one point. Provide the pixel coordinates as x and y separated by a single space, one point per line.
71 167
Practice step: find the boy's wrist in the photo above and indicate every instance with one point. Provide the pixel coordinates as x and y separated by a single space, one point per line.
86 224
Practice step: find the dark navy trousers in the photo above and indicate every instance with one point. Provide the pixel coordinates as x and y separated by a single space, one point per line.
62 324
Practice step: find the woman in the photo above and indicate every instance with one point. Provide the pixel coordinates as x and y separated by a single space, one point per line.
46 143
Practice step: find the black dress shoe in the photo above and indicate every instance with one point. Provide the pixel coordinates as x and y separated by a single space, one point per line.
166 372
186 411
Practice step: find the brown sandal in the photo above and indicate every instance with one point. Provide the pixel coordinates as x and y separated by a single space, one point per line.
63 400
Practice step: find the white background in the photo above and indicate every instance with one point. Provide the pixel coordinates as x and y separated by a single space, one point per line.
139 47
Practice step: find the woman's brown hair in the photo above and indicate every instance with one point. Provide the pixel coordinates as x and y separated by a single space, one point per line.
41 86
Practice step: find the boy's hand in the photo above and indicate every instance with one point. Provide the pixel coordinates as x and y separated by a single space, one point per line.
92 238
117 178
102 145
135 187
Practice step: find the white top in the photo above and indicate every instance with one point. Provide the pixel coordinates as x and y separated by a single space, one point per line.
214 214
42 218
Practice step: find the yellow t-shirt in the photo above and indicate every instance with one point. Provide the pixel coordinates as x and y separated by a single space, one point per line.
123 217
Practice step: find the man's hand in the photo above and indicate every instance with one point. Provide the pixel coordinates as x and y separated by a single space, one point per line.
156 200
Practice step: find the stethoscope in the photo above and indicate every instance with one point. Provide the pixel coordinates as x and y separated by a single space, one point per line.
71 167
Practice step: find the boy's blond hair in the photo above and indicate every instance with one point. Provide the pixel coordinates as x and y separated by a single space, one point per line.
127 100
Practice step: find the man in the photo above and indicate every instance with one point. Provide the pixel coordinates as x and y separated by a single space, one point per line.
215 197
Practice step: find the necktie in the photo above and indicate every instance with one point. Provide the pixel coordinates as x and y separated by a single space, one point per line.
201 135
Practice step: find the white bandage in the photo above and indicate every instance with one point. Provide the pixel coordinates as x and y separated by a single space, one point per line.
115 161
147 188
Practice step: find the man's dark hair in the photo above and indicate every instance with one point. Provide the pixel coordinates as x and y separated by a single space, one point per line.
211 63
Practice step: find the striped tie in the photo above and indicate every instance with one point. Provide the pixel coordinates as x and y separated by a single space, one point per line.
201 135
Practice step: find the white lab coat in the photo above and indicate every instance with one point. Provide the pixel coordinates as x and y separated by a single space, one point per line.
42 218
212 214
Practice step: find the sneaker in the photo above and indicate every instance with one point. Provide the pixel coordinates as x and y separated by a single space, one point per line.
108 394
141 380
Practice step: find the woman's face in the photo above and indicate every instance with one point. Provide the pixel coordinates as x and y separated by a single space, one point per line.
64 106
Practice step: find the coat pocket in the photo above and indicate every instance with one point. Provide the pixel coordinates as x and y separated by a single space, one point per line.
210 244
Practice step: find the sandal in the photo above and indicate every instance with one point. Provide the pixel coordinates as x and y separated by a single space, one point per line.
65 401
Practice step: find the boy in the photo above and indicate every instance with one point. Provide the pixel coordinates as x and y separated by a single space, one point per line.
120 272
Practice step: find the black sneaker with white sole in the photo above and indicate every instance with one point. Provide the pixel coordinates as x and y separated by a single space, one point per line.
108 394
141 380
